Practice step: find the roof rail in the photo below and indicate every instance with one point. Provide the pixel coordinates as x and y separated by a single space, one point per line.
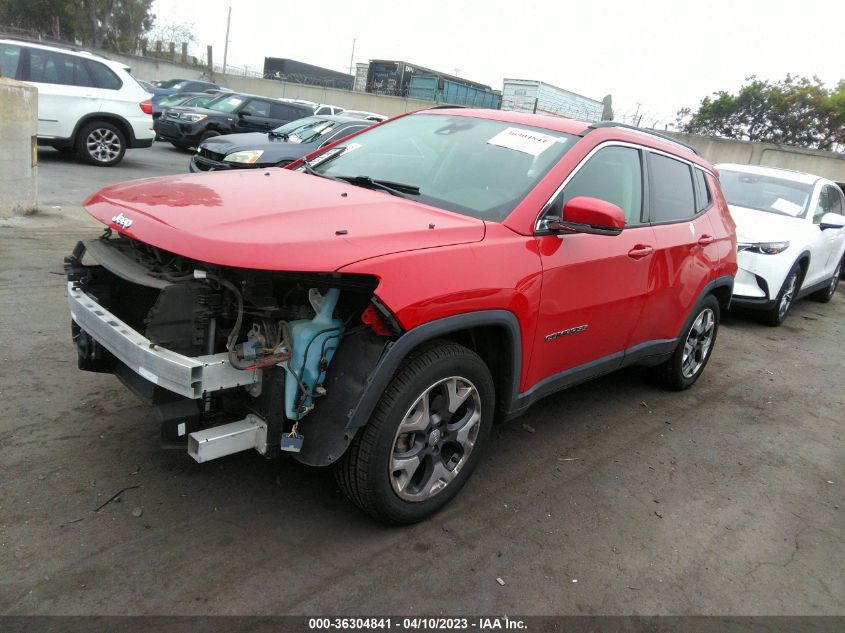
663 137
445 107
73 48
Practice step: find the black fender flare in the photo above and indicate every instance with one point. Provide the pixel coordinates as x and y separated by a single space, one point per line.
401 347
720 282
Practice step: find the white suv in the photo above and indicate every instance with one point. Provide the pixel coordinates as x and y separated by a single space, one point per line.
790 236
86 103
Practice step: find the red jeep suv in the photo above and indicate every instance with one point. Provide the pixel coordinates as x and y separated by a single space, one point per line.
376 305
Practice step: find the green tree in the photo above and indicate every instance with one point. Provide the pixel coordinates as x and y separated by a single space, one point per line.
114 24
793 111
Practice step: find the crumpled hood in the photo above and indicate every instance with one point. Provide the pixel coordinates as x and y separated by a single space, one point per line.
275 219
760 226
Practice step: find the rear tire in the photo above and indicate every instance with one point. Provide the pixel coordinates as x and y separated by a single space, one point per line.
101 144
424 438
825 295
785 298
694 349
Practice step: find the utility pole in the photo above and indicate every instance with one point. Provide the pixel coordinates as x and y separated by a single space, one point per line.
226 46
457 70
352 57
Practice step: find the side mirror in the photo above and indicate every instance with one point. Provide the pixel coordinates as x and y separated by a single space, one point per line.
583 214
244 113
832 221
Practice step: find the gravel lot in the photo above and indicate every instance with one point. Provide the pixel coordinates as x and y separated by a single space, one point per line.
612 498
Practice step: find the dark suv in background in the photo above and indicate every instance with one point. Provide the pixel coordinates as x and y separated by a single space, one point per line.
186 127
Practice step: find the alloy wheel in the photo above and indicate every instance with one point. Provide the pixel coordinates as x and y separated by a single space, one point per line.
788 295
103 144
435 438
698 343
835 280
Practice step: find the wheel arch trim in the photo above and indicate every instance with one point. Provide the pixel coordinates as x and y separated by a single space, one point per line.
410 340
108 117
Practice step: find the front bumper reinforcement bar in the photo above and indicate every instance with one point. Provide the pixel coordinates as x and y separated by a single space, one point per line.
188 376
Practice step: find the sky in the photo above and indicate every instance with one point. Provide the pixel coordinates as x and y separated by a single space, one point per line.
653 57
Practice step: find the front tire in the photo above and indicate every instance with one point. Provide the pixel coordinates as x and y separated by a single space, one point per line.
825 295
101 144
424 438
785 298
694 348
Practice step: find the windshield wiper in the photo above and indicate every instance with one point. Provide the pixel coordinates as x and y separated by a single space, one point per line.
396 188
306 165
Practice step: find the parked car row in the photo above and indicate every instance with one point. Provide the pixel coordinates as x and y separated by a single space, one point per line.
278 147
94 107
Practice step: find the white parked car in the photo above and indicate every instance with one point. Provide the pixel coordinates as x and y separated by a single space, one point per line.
361 114
790 236
86 103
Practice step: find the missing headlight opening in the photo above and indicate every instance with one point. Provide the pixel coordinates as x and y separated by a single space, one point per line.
279 333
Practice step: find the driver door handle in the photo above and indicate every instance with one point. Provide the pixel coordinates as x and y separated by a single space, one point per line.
639 251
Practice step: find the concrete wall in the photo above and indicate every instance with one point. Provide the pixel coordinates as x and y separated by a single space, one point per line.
721 150
18 157
151 69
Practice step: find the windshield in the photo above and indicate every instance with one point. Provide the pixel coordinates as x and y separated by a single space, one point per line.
174 84
476 167
307 130
225 103
170 99
765 193
199 101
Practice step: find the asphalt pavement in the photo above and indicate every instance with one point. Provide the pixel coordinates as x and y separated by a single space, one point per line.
615 497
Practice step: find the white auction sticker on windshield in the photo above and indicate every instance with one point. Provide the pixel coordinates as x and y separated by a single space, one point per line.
785 206
525 141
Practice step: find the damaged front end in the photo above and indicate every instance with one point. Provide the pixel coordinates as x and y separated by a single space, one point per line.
230 358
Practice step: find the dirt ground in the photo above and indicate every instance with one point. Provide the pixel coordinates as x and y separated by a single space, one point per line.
615 497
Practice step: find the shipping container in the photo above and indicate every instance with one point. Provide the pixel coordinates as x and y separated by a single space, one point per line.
392 77
302 73
525 95
433 88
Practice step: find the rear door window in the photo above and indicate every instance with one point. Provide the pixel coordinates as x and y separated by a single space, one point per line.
10 56
50 67
284 112
671 194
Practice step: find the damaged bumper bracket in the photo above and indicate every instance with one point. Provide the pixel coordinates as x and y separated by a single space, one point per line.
185 375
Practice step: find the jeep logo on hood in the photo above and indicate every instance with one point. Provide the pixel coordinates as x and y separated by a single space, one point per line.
122 221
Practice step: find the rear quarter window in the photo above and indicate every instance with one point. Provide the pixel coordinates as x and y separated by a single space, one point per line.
702 191
104 77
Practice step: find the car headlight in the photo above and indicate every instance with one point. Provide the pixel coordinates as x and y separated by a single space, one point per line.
192 117
248 156
765 248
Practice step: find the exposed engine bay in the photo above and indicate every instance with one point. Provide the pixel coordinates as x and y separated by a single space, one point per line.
281 331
